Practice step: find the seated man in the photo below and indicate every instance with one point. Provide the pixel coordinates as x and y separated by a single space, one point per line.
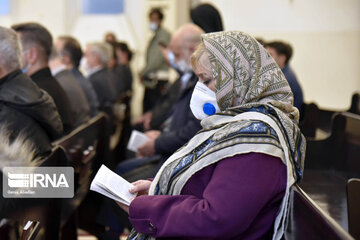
36 48
25 109
181 124
282 53
79 105
97 56
70 52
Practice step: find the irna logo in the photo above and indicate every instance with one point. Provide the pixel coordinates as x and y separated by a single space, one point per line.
34 180
38 182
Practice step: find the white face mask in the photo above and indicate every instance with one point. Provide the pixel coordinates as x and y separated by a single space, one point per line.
85 66
183 66
203 102
153 26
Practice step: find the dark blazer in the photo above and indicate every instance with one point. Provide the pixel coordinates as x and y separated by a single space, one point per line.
88 90
183 125
27 110
79 105
104 87
47 82
123 77
164 105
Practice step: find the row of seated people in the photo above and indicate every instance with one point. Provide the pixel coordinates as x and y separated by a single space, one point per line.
176 130
44 96
54 68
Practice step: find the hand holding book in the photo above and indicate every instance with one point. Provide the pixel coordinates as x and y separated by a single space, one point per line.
111 185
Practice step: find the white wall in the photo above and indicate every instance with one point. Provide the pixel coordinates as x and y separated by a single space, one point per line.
65 17
325 35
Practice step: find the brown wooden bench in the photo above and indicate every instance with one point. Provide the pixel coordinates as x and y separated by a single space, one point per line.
309 221
44 210
329 163
316 119
353 201
30 230
85 147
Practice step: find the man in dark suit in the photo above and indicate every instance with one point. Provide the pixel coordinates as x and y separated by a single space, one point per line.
79 104
180 125
36 48
97 56
70 52
25 109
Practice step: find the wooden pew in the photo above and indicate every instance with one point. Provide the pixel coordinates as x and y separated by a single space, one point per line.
85 147
30 230
353 200
44 210
329 163
309 221
316 121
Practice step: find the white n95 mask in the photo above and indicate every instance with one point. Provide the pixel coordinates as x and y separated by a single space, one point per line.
203 101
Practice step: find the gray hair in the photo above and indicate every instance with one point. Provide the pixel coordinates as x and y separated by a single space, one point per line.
19 152
103 50
10 49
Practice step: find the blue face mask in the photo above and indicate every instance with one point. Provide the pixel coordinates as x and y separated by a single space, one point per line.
171 58
24 70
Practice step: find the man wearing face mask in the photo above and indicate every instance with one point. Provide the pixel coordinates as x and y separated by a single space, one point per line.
154 74
180 124
36 43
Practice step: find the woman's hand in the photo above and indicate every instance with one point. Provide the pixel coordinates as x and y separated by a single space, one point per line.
141 187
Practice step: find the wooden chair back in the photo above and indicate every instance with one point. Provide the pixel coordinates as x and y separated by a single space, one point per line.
307 221
353 200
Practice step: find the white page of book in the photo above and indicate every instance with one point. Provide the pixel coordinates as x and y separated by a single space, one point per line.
109 184
136 140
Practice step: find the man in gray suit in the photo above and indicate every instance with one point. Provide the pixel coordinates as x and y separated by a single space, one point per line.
97 56
78 102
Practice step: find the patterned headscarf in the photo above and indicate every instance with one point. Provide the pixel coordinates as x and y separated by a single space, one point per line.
256 115
246 73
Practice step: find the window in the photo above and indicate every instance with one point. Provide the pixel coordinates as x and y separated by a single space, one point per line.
103 7
4 7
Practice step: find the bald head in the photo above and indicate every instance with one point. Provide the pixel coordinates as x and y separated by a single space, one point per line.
185 41
187 34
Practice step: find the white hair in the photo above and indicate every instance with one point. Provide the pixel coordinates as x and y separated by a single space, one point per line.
10 49
17 153
103 50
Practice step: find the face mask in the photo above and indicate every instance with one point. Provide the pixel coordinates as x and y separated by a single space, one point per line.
153 26
25 69
85 66
203 102
171 58
27 66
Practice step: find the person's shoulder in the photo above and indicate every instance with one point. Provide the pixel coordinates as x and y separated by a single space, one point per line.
20 89
164 35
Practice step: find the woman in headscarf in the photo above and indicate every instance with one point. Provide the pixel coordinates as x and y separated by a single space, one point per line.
207 17
232 179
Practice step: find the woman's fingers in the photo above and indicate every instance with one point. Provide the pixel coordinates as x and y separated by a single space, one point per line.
140 186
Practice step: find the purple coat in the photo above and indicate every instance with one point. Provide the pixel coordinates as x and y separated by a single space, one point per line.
236 198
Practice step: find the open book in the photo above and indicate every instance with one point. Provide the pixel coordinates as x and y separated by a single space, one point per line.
109 184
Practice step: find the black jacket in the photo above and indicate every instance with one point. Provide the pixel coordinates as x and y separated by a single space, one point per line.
47 82
104 86
26 109
183 125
